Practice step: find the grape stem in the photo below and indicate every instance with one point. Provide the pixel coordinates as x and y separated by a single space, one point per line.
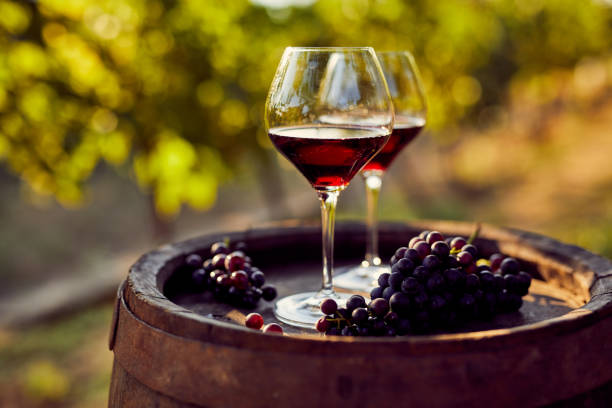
472 238
474 234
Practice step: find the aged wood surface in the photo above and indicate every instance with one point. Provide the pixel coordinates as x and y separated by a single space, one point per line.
555 348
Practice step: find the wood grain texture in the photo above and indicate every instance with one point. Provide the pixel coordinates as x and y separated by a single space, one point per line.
183 355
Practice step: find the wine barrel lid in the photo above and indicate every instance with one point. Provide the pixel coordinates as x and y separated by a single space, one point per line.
177 348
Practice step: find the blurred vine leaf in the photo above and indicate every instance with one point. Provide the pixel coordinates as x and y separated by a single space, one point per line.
173 90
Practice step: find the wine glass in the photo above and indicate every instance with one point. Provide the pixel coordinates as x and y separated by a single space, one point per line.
406 91
328 112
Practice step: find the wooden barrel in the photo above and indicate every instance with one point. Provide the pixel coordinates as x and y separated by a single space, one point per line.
174 348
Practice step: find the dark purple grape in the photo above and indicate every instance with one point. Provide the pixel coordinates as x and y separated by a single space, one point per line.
457 243
393 260
363 331
235 296
376 293
422 322
219 248
344 313
525 281
495 260
487 281
478 295
413 255
322 325
350 331
199 278
395 280
354 302
387 293
455 279
514 302
437 303
240 279
194 260
403 266
471 249
441 250
224 281
258 279
434 236
248 300
379 307
513 284
410 285
400 303
403 327
470 269
328 306
431 262
504 301
472 283
269 293
422 249
488 306
208 265
377 326
400 252
510 266
218 261
421 300
452 262
465 258
467 303
360 315
257 292
414 241
383 279
234 262
333 331
421 274
448 296
392 319
500 283
423 235
435 283
482 268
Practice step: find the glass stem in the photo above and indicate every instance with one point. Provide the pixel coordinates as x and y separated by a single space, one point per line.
328 217
373 183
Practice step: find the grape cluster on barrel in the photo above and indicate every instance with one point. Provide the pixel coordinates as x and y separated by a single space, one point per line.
230 276
436 283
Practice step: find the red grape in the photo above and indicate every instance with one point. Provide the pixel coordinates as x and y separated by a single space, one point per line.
254 321
272 328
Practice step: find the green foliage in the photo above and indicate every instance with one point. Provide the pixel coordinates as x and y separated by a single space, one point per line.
174 90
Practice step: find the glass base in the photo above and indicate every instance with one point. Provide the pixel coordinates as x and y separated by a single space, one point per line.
363 278
302 309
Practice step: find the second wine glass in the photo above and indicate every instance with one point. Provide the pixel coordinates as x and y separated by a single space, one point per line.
406 91
328 112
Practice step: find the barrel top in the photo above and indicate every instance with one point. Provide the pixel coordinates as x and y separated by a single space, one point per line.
585 279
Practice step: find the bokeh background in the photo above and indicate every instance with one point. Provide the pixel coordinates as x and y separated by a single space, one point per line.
128 123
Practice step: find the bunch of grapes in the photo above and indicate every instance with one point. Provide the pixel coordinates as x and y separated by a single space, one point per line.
434 284
230 276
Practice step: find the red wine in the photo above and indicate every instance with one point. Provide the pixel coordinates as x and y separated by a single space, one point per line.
403 133
328 156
